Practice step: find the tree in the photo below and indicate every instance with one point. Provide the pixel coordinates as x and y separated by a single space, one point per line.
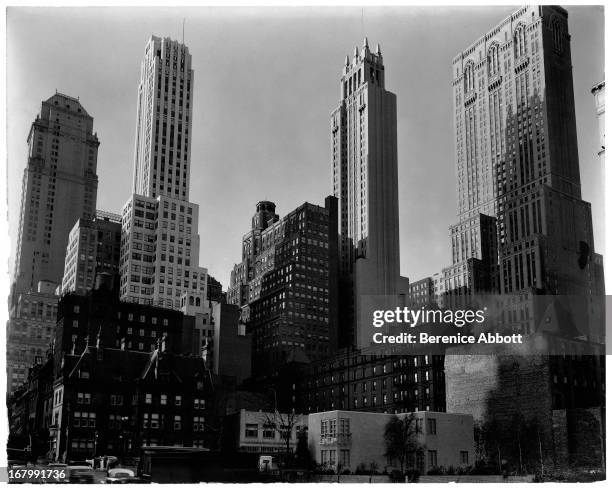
303 456
401 438
283 423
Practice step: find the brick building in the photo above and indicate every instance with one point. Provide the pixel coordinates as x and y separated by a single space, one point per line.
112 401
286 283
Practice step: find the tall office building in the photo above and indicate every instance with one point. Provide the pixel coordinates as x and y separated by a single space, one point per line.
517 162
163 121
59 187
160 242
287 284
517 156
364 179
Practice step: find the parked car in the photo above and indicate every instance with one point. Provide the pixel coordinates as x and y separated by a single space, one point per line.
82 473
120 476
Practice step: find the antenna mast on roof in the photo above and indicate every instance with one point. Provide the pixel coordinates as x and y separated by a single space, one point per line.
183 41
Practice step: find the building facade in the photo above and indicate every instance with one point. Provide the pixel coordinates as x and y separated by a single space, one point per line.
262 432
109 401
30 331
345 440
93 248
364 179
517 163
352 381
286 283
160 242
59 187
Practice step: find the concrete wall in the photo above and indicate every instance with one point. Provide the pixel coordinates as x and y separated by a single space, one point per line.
365 441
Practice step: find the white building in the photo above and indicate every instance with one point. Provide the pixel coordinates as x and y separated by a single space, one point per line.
160 242
364 179
341 439
250 431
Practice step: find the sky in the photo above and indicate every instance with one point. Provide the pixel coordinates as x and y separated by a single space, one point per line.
266 82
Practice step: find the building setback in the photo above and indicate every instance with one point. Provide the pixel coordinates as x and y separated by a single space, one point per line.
286 283
160 242
93 248
364 179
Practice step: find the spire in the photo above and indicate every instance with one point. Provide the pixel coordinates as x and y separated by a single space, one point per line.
346 61
356 52
378 49
365 42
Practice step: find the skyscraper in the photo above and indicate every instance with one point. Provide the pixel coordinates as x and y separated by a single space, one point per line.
364 179
163 121
287 284
59 187
160 244
517 163
517 156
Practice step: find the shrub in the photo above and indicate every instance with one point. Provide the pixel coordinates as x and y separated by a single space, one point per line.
396 476
413 475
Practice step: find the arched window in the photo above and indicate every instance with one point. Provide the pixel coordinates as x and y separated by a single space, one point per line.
190 300
197 301
520 42
493 60
468 78
557 31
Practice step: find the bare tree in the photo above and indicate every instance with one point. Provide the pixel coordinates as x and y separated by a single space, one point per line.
284 424
401 438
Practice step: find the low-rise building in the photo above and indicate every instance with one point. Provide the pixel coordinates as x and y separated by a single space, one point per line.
263 432
345 440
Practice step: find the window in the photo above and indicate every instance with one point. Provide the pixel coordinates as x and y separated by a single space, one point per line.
464 457
177 422
251 431
432 458
269 432
178 400
116 400
198 423
163 399
148 398
431 426
199 404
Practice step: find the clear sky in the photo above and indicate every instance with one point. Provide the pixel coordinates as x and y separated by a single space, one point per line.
266 81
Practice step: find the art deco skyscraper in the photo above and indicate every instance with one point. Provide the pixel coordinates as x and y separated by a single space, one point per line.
517 164
59 187
517 156
160 242
162 153
364 179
